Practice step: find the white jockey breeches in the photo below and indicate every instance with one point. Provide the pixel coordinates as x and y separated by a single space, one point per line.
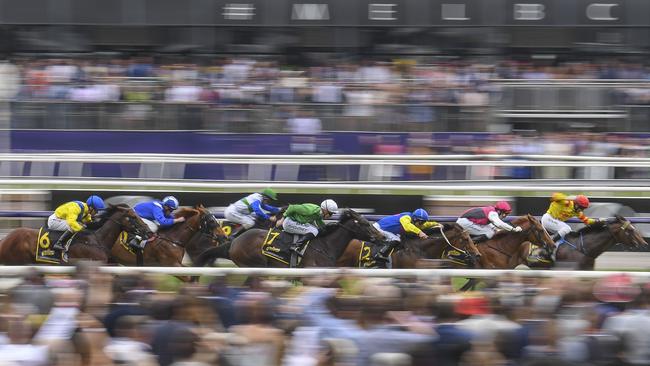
246 220
475 229
295 227
153 225
553 225
387 234
55 223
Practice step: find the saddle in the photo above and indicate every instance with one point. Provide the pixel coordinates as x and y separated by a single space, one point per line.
277 244
125 239
45 252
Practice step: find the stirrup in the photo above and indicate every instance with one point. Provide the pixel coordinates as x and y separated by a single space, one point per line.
381 257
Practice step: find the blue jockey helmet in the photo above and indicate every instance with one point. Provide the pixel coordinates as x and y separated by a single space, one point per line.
420 214
95 202
171 202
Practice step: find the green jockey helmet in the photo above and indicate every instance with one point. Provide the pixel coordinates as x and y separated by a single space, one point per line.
268 192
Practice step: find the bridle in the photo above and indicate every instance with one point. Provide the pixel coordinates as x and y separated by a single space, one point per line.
624 227
133 229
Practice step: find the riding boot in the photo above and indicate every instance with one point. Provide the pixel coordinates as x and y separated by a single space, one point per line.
385 250
479 238
237 232
295 247
136 242
59 245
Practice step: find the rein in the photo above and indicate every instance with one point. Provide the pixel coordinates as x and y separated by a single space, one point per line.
449 243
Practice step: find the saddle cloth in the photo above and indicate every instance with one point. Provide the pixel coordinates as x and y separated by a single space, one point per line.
228 227
367 253
277 243
45 253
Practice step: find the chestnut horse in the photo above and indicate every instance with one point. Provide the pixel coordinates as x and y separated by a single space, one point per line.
19 246
198 232
506 250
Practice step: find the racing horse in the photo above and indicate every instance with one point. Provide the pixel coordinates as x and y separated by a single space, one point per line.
506 250
585 245
19 246
452 236
322 251
197 233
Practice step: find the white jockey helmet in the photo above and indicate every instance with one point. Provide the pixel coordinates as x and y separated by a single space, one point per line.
329 206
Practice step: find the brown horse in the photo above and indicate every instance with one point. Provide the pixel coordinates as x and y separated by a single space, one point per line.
169 245
323 251
19 246
506 250
414 249
590 242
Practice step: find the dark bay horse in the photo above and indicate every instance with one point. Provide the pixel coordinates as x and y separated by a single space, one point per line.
591 241
169 245
323 251
506 250
19 246
414 249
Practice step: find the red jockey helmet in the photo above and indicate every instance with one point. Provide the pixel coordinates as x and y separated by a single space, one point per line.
582 201
503 206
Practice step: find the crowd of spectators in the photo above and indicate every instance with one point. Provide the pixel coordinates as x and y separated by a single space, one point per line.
97 319
248 81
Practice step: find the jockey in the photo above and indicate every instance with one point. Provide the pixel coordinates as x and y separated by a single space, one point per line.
406 222
71 217
251 208
482 222
158 214
563 208
307 219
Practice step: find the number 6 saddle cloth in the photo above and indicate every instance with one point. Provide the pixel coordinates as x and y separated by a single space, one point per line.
45 253
277 243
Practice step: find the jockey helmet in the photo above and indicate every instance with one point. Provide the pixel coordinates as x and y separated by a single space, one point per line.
420 215
268 192
582 201
95 202
171 202
503 206
329 206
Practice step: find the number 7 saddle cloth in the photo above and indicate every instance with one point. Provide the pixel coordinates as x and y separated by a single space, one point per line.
277 244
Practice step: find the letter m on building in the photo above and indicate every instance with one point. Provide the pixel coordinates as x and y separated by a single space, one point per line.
310 12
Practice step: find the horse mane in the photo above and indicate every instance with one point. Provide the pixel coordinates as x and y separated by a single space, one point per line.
108 212
186 212
346 215
588 229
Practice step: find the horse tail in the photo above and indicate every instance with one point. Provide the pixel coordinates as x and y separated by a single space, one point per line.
210 255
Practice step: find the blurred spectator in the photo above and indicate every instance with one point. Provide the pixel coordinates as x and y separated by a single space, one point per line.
304 123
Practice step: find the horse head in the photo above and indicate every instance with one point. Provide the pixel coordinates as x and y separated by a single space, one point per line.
127 219
209 225
534 230
625 233
457 234
357 224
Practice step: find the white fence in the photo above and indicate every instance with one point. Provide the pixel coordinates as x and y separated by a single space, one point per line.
404 160
311 272
140 185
